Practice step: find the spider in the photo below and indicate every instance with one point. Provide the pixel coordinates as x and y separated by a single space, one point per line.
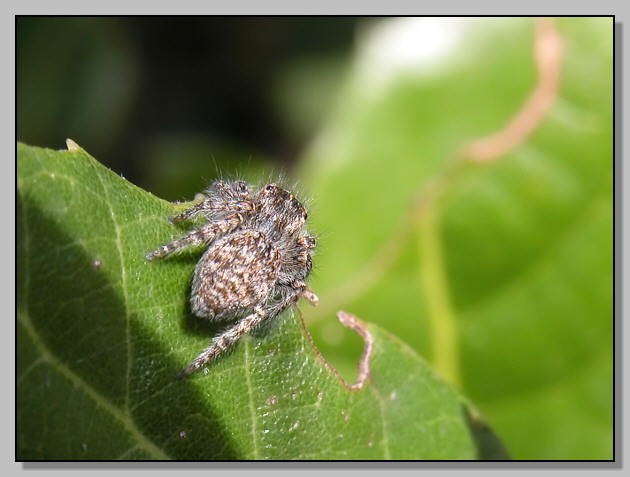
258 259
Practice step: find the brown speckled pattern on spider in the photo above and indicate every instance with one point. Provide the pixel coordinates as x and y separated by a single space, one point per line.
258 259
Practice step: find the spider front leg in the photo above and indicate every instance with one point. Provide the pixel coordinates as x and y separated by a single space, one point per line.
199 236
222 196
208 207
202 208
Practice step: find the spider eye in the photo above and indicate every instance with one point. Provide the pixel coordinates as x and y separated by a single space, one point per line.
270 187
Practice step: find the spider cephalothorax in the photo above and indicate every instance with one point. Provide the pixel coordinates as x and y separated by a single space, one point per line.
257 261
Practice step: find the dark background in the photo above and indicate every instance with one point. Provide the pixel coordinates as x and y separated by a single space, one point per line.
168 102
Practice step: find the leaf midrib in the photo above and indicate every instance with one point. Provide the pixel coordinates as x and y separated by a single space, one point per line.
124 418
123 283
47 356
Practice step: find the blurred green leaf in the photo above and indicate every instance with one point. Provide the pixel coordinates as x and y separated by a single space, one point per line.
507 284
102 334
84 81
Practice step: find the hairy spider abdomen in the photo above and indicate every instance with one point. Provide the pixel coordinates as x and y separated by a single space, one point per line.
236 273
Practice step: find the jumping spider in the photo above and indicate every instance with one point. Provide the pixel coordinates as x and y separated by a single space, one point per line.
258 259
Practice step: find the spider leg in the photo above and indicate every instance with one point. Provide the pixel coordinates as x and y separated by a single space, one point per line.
207 207
200 236
225 341
310 296
198 209
229 337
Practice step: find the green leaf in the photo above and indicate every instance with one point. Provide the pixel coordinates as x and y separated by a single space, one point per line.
504 281
102 333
